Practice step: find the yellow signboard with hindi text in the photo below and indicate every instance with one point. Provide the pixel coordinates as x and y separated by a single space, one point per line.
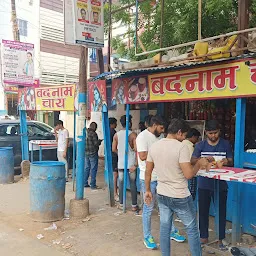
230 80
59 98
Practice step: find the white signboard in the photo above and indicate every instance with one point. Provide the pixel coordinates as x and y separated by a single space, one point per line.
84 22
17 63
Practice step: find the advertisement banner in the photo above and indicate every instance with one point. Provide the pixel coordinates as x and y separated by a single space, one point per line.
84 22
137 89
17 63
118 92
97 95
26 98
59 98
231 80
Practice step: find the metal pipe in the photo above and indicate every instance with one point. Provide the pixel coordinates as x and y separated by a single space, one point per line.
109 32
162 24
199 19
74 152
126 154
194 42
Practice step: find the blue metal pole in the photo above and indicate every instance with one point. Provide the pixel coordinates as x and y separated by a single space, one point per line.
108 155
24 135
217 207
126 155
81 135
74 149
238 162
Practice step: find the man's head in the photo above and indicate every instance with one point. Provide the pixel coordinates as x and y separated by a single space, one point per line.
83 14
123 121
147 120
96 17
142 126
178 128
156 125
93 126
212 131
193 135
59 125
112 122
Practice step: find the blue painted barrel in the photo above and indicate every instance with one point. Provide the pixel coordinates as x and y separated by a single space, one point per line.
47 191
6 165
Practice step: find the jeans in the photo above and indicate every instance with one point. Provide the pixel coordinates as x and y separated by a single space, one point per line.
63 160
91 167
184 208
148 209
204 198
133 187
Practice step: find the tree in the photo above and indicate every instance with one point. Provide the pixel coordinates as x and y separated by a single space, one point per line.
180 22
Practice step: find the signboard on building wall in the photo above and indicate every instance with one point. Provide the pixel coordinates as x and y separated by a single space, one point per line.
59 98
17 63
231 80
97 95
26 98
84 22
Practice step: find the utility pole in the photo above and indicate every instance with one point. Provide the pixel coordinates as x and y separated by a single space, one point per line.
199 19
109 33
79 207
23 116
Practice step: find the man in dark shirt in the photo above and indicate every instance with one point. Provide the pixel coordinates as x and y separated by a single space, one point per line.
113 124
218 152
91 156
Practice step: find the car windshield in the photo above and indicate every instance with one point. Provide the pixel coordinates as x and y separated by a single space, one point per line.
47 127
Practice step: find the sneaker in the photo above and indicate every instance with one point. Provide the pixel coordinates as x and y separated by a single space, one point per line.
87 186
150 243
177 237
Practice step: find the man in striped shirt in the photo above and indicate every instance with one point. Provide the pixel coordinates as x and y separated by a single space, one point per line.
218 152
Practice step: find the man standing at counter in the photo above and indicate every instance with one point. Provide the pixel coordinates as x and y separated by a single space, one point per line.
218 152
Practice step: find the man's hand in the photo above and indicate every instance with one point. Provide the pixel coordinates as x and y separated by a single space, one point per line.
210 159
148 198
132 169
225 161
204 164
64 154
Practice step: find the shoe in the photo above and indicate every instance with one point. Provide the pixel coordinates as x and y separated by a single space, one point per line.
177 237
94 188
86 186
223 247
150 243
117 198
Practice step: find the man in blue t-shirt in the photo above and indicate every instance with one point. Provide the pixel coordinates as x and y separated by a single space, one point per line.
219 153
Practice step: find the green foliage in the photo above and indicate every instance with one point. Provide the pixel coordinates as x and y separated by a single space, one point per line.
180 22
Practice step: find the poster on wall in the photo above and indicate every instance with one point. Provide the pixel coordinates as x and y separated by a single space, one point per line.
17 63
26 98
84 22
59 98
118 92
137 89
97 95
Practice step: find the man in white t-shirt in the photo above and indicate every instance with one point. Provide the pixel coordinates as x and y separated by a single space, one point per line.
144 141
62 136
170 160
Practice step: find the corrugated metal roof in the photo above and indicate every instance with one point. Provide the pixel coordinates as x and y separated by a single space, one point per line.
134 72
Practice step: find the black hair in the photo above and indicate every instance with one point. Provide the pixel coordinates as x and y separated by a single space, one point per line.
93 126
157 120
83 10
29 53
212 125
59 122
193 132
147 119
112 120
178 125
123 120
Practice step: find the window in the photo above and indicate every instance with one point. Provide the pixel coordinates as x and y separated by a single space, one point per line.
9 130
36 131
23 27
